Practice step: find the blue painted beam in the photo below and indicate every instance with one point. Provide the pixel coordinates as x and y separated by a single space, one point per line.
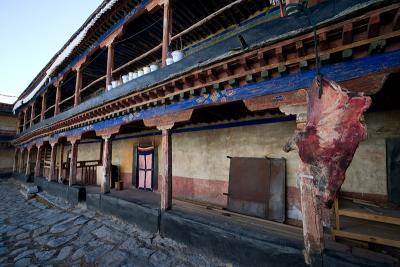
338 72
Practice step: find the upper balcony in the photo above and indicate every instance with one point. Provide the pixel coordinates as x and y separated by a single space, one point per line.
129 41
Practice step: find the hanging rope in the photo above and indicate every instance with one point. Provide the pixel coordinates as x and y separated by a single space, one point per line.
139 32
303 8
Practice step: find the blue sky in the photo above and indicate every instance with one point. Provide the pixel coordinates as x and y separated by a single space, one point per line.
31 32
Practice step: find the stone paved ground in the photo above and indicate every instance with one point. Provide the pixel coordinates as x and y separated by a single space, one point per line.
35 234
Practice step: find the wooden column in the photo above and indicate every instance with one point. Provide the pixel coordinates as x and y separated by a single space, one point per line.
74 159
61 163
28 161
25 115
167 27
312 219
38 158
107 157
78 86
15 164
21 162
58 98
53 161
166 183
165 123
42 113
32 114
110 63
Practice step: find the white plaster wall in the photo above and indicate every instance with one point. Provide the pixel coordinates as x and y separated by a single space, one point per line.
203 154
367 172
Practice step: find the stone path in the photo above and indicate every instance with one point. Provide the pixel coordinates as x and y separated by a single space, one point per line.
35 234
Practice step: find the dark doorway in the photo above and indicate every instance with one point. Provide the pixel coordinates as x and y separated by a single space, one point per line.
257 187
393 169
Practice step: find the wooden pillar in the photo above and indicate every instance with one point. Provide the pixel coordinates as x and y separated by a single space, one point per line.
281 12
25 118
107 157
166 184
32 114
312 219
38 158
110 63
78 86
167 27
42 113
73 163
165 123
15 165
28 161
21 162
61 162
53 159
58 98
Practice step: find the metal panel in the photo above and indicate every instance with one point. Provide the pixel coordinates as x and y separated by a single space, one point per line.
257 187
277 190
393 169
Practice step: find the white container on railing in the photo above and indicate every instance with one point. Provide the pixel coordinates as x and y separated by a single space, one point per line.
130 75
134 75
140 73
114 84
169 61
146 70
125 78
109 87
177 55
153 67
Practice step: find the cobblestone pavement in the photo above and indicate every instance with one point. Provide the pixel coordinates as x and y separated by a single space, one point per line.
35 234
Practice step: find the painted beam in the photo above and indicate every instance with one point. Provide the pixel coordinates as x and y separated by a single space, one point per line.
344 71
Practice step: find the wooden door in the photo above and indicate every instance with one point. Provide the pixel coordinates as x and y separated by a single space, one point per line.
145 168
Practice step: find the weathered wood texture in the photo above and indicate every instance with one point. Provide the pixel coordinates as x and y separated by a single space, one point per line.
170 119
276 100
166 182
78 86
110 64
53 158
28 162
73 163
167 28
37 162
107 155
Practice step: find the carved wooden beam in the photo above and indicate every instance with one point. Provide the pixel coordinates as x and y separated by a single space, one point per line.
108 131
369 85
110 39
169 119
276 100
74 138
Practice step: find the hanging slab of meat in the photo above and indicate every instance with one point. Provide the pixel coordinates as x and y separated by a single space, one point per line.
331 135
